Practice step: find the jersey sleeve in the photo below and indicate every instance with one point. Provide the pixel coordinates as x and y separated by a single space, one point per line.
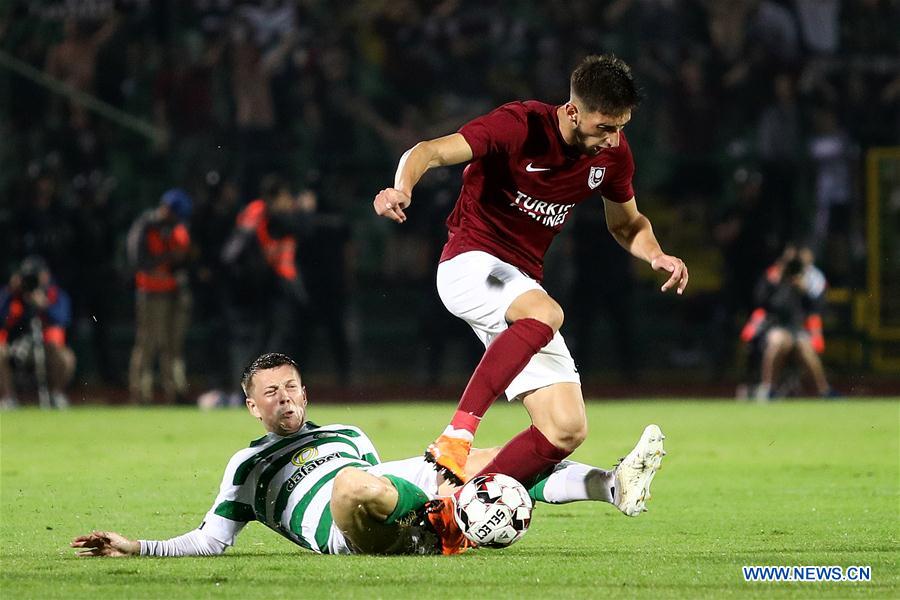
619 187
232 509
192 543
501 131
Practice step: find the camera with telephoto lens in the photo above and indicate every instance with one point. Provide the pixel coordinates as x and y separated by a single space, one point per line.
30 282
30 273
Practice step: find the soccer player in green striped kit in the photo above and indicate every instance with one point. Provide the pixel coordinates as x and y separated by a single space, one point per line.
325 488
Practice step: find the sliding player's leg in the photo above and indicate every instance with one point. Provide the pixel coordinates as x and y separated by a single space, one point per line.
392 508
571 481
368 508
627 486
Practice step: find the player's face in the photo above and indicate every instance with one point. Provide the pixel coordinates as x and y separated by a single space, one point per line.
278 399
594 131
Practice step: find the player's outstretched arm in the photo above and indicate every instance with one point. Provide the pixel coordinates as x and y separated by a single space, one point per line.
634 232
440 152
105 543
110 543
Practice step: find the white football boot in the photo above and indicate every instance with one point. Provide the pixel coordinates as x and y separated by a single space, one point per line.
635 472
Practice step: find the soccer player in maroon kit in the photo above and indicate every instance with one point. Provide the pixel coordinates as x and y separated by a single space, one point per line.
531 164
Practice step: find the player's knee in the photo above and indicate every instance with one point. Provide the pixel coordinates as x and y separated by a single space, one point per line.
555 316
537 304
348 484
573 437
568 435
550 313
355 487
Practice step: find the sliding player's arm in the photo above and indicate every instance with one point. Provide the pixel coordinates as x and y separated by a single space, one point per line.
111 543
440 152
228 515
217 532
634 232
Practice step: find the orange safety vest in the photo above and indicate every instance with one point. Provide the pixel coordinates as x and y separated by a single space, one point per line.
161 279
280 254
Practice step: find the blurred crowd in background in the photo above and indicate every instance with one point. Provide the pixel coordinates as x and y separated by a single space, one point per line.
756 116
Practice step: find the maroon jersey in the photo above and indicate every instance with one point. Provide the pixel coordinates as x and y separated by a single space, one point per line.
523 181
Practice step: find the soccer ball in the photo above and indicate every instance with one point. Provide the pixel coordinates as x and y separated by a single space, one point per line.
493 510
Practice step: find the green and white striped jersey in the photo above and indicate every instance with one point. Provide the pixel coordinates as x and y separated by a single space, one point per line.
285 483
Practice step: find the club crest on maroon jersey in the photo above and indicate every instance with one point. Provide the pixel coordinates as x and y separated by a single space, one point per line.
595 177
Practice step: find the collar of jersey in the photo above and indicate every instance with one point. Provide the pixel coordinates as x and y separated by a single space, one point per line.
271 436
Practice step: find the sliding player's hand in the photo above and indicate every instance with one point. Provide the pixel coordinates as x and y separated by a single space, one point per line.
675 266
390 203
105 543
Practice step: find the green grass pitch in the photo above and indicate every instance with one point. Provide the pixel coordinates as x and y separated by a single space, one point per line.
793 483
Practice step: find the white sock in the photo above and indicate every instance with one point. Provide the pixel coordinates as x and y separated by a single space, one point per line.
459 433
573 481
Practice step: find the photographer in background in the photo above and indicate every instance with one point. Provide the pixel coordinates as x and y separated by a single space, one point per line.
158 249
266 289
788 323
34 314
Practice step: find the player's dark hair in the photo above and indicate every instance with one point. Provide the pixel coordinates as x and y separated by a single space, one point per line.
605 84
271 186
266 361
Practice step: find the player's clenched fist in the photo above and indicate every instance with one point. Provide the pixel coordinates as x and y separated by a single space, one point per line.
390 203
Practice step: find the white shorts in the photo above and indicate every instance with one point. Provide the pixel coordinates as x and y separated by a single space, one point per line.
415 470
479 288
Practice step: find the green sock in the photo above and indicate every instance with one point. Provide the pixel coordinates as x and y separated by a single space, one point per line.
409 498
537 490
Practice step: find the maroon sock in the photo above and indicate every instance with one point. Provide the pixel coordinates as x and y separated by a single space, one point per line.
502 361
526 456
